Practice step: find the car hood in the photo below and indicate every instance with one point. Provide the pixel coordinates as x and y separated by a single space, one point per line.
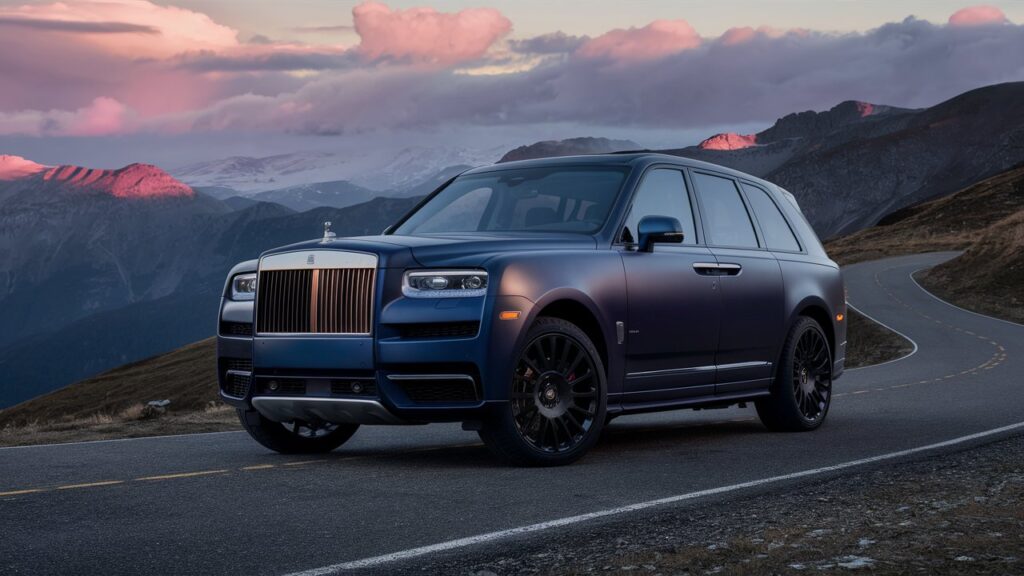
446 249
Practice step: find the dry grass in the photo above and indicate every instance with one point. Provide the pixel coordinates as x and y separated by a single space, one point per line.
130 423
989 276
953 222
113 404
868 342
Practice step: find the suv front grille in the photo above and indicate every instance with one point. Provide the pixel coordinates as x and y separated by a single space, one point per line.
315 301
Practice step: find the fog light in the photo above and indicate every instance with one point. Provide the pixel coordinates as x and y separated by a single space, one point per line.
357 388
273 385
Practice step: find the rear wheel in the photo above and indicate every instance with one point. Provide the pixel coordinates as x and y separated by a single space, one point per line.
802 392
296 437
556 407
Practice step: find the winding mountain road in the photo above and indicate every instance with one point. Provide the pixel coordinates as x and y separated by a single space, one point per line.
219 504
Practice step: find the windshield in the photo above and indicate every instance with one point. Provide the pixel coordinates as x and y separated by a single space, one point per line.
552 199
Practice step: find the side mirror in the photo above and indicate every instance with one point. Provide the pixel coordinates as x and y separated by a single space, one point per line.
658 229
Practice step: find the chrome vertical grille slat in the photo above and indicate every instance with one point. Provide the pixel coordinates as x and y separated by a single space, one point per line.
343 301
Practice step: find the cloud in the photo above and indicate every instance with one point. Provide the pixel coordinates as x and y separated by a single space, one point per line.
269 57
426 35
103 116
76 26
656 40
420 68
553 43
977 16
168 30
323 29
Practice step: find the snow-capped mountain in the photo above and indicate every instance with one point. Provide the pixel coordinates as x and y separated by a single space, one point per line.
376 169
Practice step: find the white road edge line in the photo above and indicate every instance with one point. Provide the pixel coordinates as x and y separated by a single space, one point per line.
502 534
109 440
925 290
876 321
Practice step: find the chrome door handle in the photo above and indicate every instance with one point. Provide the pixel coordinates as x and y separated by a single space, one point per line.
715 269
706 268
729 269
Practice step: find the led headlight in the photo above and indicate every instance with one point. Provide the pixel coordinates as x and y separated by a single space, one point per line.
444 283
243 287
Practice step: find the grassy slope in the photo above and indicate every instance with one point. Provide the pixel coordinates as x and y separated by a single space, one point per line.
953 222
985 220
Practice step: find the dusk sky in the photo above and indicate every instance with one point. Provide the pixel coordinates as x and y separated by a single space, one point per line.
114 81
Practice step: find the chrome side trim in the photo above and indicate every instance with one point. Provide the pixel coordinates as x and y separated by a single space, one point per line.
740 365
301 260
407 377
334 410
670 372
695 369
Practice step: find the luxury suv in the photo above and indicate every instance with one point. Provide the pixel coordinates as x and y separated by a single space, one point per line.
534 301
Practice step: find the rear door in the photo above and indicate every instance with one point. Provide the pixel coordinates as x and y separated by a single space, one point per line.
673 305
753 297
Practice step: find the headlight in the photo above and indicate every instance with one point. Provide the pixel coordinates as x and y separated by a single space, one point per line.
243 287
444 283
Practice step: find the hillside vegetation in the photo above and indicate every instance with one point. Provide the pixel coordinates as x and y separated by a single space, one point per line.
985 220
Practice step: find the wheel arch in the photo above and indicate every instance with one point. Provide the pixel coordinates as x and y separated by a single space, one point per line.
817 310
574 311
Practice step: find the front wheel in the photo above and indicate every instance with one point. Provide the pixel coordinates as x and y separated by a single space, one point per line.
802 392
295 437
557 401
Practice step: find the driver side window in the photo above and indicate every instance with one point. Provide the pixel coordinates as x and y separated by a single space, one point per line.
662 193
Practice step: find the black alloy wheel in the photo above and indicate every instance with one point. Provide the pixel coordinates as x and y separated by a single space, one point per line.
554 393
802 391
557 398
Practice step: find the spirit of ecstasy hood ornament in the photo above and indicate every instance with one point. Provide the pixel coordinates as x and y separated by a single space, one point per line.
328 235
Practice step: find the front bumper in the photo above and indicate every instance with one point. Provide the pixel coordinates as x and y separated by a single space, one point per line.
390 378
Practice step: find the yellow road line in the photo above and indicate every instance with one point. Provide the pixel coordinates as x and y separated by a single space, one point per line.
303 462
19 492
182 475
257 467
90 484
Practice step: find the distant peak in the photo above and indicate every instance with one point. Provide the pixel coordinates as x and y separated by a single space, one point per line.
132 181
858 108
729 141
15 167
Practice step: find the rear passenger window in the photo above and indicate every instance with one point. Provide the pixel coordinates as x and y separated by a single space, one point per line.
726 222
777 233
662 193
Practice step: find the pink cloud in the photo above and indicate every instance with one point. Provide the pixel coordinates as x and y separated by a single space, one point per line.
744 34
977 16
426 35
656 40
103 116
133 28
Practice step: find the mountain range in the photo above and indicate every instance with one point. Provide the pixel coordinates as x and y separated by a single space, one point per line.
102 267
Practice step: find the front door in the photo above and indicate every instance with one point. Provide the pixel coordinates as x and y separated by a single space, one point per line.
673 302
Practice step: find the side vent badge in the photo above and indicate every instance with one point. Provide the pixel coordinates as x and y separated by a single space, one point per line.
620 332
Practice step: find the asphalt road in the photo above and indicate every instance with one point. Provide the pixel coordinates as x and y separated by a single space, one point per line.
219 504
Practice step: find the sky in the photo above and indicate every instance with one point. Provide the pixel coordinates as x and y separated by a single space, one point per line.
107 82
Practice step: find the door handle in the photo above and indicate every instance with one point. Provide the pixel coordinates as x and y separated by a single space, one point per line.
715 269
729 269
706 268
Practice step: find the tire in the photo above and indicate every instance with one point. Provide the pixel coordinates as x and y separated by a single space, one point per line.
295 437
802 391
555 412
